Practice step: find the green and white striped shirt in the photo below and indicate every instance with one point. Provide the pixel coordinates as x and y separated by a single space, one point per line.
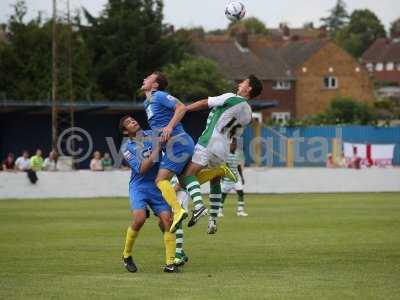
233 163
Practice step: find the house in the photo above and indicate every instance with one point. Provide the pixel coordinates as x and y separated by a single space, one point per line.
382 59
303 76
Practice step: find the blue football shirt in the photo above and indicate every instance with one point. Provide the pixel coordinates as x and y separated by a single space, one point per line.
135 151
160 109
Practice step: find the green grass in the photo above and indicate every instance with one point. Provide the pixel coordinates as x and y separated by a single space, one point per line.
333 246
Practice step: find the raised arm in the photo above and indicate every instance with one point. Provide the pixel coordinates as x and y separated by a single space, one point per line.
198 105
180 111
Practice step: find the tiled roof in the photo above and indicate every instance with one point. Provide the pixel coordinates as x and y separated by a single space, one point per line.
264 58
297 53
236 62
383 50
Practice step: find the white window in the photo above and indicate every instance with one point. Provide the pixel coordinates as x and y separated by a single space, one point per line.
281 85
281 117
379 67
389 66
331 82
370 67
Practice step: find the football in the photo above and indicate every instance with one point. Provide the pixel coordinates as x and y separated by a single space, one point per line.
235 11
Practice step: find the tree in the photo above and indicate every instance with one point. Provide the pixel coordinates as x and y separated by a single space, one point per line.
195 78
345 110
25 60
395 28
364 28
252 25
337 19
129 41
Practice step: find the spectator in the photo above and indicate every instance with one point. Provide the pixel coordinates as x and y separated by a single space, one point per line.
330 163
23 163
95 163
342 161
355 162
50 163
106 162
9 163
37 161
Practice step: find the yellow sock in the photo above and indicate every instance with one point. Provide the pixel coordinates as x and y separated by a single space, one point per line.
130 239
207 174
169 242
169 194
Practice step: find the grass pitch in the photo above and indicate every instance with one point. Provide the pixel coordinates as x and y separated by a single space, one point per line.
333 246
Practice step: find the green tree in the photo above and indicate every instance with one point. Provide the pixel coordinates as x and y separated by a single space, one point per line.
345 110
337 19
252 25
25 60
195 78
364 28
129 41
395 28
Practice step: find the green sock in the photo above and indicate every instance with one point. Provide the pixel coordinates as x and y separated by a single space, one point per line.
215 199
240 201
179 241
224 195
193 188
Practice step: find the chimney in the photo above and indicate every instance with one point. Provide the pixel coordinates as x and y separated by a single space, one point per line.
286 32
323 33
282 25
242 37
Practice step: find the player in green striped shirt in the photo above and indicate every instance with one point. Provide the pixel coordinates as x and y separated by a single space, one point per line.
230 113
228 185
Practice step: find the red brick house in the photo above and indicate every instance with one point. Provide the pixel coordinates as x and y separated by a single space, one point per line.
303 76
382 59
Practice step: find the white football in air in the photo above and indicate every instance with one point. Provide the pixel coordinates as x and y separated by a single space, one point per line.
235 11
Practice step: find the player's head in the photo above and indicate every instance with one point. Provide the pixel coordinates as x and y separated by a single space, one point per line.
97 155
128 126
156 81
250 87
233 145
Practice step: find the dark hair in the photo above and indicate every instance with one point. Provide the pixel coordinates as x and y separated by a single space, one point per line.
121 123
256 86
162 80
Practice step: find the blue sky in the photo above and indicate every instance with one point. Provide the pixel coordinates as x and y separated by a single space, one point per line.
210 13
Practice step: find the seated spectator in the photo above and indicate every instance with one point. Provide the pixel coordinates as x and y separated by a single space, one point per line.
355 162
50 163
23 163
106 162
37 161
330 163
342 161
95 163
9 163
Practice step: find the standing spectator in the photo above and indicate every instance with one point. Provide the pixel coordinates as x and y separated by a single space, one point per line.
37 161
355 162
106 162
95 163
23 163
50 163
9 163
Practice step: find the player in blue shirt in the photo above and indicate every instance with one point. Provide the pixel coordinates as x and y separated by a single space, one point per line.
164 113
142 152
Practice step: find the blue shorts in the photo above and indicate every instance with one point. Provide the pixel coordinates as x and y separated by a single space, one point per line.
140 199
177 153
